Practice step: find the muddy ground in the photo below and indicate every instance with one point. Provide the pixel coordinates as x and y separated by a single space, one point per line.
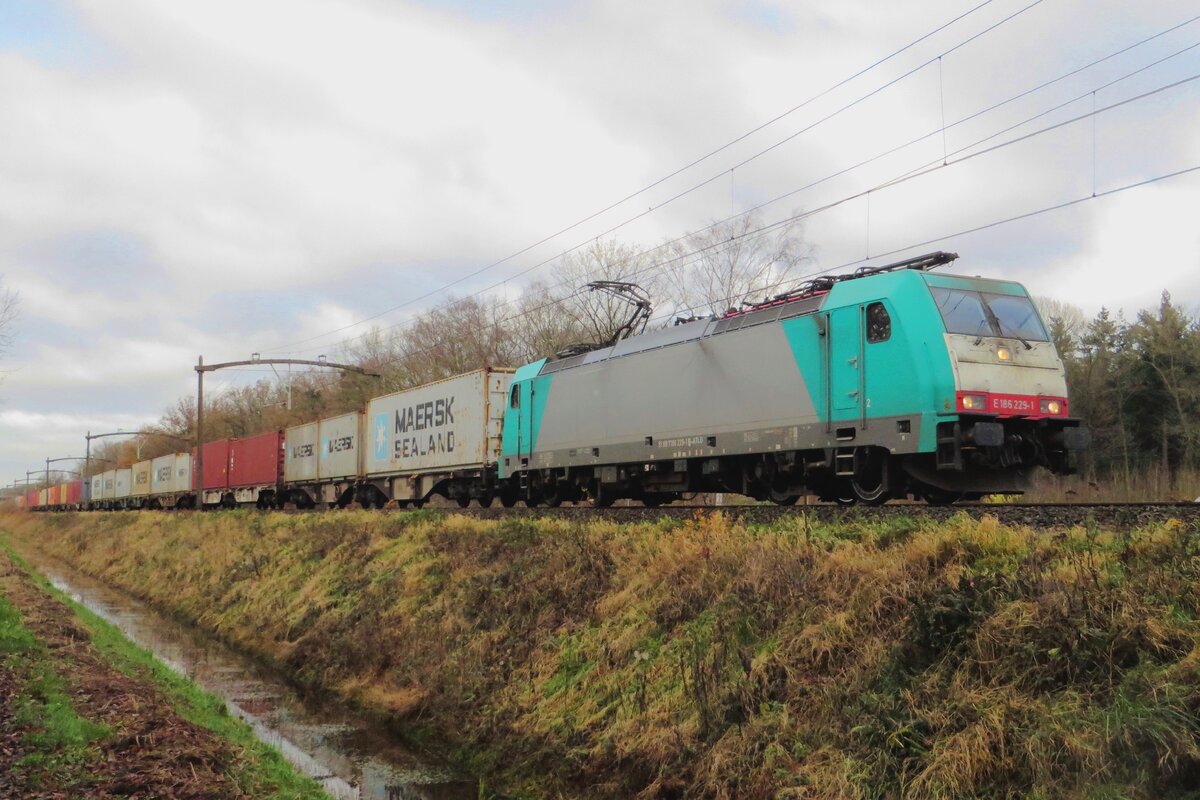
149 751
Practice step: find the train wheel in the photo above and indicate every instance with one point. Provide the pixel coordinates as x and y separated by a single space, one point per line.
508 499
553 498
485 500
783 498
463 501
601 497
940 497
870 484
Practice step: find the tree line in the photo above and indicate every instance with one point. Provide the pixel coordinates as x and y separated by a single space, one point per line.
1136 385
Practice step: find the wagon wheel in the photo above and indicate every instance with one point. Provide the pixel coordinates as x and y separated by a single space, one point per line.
601 497
870 484
552 496
783 498
463 500
508 499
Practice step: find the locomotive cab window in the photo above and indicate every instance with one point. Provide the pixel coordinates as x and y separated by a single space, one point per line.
879 323
514 398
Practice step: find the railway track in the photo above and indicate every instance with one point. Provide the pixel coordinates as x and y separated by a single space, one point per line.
1037 515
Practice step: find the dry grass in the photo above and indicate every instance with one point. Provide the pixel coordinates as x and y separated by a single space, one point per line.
903 659
1142 485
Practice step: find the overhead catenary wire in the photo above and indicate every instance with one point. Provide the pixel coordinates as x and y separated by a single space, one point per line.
698 161
838 173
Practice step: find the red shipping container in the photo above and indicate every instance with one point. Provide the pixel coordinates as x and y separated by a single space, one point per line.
53 495
74 493
256 461
216 465
31 499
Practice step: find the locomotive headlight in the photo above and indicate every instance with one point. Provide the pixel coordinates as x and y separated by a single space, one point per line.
1051 407
1003 354
974 402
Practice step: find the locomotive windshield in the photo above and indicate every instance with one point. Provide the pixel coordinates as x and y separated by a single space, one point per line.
987 314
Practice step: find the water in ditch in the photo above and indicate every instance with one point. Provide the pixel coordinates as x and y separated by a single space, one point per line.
350 756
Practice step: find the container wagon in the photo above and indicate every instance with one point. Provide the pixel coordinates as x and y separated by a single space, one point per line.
323 461
213 484
139 494
255 470
123 486
71 495
440 438
108 490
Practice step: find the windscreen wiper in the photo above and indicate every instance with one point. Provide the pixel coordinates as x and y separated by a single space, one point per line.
1000 325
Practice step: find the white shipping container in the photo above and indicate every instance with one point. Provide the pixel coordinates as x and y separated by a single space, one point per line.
141 478
110 485
340 441
300 453
183 472
451 424
162 475
124 483
97 487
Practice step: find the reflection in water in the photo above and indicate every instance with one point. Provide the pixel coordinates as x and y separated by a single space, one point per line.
350 756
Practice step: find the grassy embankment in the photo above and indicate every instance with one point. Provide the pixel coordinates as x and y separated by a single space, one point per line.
897 659
88 713
1140 486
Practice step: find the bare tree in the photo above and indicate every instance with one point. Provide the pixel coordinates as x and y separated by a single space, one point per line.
1066 322
543 324
717 268
8 316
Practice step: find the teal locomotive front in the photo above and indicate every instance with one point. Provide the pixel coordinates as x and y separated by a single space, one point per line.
886 383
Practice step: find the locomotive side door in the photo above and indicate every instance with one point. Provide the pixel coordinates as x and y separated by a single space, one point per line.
522 406
845 361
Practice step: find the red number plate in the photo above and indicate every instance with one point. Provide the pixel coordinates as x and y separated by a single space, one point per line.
1012 404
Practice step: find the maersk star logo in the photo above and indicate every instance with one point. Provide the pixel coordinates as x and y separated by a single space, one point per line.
381 437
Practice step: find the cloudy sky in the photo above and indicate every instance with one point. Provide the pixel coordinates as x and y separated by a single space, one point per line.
229 176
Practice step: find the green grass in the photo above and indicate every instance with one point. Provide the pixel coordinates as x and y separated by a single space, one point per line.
62 742
262 771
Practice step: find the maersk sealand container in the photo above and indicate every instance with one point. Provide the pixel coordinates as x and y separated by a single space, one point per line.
422 440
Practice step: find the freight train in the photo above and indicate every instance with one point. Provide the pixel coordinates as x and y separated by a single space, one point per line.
889 382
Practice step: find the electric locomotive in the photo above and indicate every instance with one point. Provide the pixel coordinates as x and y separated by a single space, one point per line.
889 382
